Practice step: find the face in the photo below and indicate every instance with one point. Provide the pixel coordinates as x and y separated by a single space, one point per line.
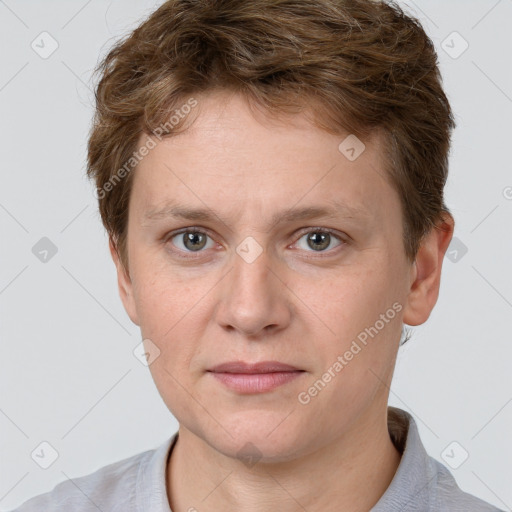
255 239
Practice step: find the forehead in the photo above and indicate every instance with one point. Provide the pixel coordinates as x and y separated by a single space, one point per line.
233 159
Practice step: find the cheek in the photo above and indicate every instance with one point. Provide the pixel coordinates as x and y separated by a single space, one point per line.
161 297
351 301
172 314
362 311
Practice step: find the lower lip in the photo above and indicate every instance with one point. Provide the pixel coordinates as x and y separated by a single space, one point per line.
255 382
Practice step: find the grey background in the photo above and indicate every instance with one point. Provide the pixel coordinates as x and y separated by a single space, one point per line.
68 375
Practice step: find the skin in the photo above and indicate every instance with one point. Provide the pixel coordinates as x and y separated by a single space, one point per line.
293 304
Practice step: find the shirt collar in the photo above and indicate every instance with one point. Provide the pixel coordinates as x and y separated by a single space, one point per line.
414 480
152 480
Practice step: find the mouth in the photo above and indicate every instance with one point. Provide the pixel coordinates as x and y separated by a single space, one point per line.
259 377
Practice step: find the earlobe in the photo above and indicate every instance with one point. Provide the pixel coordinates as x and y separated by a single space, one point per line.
124 284
426 274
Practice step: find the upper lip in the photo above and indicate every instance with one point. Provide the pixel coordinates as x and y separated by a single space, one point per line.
261 367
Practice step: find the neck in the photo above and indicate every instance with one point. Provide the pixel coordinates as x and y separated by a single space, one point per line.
351 473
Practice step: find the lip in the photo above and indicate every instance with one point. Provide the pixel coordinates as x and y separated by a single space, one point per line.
259 377
261 367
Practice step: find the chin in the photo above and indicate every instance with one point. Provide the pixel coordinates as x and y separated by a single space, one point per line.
269 440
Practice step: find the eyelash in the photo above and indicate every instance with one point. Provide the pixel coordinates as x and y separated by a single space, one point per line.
198 254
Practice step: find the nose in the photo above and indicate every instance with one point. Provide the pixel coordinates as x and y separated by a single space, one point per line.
254 298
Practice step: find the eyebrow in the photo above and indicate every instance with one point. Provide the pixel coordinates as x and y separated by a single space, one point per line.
336 209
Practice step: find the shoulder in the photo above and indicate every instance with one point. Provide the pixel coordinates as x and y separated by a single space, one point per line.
449 497
110 488
421 482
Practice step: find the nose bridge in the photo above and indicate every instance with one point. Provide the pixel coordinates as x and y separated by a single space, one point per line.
254 297
251 272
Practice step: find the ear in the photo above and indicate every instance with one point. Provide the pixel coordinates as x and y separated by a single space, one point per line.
426 272
124 284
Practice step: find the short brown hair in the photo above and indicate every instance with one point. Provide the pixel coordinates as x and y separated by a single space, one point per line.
364 64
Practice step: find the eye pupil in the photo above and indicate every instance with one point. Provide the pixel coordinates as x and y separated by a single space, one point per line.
316 238
197 240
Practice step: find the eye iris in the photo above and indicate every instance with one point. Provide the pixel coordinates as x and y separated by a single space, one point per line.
197 241
316 238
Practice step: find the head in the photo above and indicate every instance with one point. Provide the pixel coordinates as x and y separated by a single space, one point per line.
260 114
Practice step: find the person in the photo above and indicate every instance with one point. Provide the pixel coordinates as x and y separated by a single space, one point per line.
271 175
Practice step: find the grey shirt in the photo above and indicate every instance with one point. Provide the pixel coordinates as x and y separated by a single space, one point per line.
138 483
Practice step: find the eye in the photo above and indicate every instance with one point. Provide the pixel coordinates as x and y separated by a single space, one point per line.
319 240
191 240
194 240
